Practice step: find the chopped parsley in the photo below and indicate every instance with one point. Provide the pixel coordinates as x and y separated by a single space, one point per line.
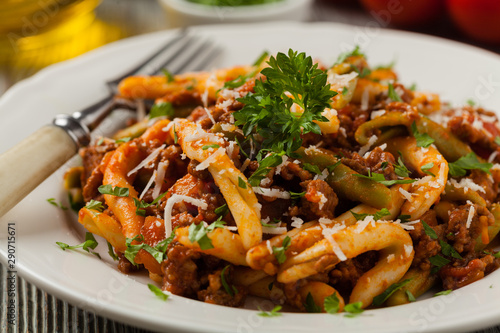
392 94
123 140
242 183
273 313
296 195
404 218
142 205
449 250
111 252
311 168
354 309
429 231
89 245
199 233
279 252
400 169
222 210
444 292
468 162
380 299
176 138
158 292
310 306
116 191
423 139
332 304
53 202
377 216
497 140
379 178
231 290
158 251
354 53
413 87
410 296
265 165
427 167
471 102
438 262
163 109
215 146
168 75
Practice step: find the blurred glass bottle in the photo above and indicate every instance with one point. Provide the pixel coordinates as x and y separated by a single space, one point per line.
37 33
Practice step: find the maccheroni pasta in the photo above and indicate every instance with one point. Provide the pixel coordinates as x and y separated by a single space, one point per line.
323 188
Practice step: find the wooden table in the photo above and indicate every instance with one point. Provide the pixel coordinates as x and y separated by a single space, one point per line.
41 312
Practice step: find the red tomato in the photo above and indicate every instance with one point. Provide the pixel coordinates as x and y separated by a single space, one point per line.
480 19
404 13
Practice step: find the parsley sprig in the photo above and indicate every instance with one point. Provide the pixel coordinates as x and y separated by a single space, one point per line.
158 251
89 245
279 252
377 216
199 233
468 162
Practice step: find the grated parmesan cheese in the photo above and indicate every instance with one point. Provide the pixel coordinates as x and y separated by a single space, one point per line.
361 225
323 176
407 195
467 184
367 147
271 192
269 247
390 258
376 114
151 157
328 233
297 222
274 230
160 177
210 159
470 216
148 185
176 198
408 249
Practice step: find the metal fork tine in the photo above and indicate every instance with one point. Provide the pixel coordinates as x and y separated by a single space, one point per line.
205 60
188 56
181 36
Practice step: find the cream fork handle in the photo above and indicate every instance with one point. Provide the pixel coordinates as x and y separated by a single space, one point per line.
29 163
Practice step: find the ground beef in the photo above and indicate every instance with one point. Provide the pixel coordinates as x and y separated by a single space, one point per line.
347 273
180 273
424 246
215 293
200 174
319 201
487 183
462 238
291 170
463 272
350 118
92 174
377 161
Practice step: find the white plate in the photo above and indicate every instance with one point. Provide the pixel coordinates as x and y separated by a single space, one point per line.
456 71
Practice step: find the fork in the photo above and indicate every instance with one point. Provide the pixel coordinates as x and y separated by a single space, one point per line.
43 152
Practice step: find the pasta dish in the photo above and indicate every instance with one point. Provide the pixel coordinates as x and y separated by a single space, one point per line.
326 188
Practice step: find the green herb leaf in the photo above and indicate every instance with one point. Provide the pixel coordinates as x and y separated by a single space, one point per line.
468 162
290 79
343 56
332 167
116 191
471 102
354 309
158 292
379 178
111 252
279 252
400 169
53 202
427 167
273 313
496 255
226 286
242 183
380 299
429 231
123 140
332 304
310 306
393 94
413 87
199 233
168 75
311 168
163 109
448 250
261 59
158 251
410 296
222 210
444 292
295 195
423 139
89 245
497 140
265 165
404 218
215 146
176 138
377 216
438 261
95 205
